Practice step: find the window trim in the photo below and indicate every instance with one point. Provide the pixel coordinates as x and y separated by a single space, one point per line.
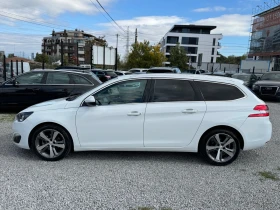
222 83
198 96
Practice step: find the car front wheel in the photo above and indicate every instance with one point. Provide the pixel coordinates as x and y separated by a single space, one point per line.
219 147
51 142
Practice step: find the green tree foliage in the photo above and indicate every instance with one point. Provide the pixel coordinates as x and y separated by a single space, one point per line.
41 58
143 55
178 57
231 59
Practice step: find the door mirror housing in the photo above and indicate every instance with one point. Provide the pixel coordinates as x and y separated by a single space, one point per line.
90 101
15 82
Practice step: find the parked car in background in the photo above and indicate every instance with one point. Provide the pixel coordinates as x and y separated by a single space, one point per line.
268 87
122 73
137 70
164 70
42 85
100 74
110 74
221 74
249 79
193 71
164 112
72 67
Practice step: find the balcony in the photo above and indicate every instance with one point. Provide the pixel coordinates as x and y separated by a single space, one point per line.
219 45
81 59
81 52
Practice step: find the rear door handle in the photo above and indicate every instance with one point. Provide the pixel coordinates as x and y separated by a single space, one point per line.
189 111
134 113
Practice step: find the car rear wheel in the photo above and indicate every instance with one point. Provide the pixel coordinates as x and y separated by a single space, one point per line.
51 142
219 147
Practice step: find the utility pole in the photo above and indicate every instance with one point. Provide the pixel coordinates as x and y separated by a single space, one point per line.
117 40
127 41
136 36
61 52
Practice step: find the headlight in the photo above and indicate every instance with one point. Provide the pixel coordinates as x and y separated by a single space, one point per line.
256 87
23 116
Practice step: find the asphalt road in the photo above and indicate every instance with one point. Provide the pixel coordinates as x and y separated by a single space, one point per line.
134 180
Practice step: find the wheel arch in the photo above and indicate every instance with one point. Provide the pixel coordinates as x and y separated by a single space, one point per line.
236 132
48 123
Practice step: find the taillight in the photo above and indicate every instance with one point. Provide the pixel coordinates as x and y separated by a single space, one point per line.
263 111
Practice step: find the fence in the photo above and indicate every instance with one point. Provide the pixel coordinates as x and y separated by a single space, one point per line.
8 71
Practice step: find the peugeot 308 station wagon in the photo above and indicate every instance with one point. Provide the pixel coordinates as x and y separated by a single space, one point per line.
214 116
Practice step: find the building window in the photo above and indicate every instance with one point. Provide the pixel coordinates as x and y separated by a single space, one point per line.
213 51
193 59
167 56
168 48
172 39
191 50
190 40
75 35
214 42
212 60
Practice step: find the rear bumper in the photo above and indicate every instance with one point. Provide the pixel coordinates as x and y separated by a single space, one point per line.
256 132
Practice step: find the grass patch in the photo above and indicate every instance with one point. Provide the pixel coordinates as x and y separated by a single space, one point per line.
268 175
7 117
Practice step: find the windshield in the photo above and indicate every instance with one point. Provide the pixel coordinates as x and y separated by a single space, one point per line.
111 73
242 77
275 77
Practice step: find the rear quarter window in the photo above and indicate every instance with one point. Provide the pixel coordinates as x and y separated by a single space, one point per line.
219 92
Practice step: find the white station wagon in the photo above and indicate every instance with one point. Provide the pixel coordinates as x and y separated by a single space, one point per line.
215 116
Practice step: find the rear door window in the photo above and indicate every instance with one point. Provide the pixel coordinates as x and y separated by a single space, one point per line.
219 92
58 78
80 80
167 90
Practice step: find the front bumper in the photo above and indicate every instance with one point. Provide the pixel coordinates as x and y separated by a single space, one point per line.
21 131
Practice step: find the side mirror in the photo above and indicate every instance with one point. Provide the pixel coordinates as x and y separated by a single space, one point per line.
15 83
90 101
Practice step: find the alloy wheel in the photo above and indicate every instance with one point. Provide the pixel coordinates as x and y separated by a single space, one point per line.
50 143
221 147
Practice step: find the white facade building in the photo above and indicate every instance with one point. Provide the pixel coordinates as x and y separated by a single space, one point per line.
195 39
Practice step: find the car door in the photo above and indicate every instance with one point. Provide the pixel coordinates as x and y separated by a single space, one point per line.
58 85
118 119
24 92
173 114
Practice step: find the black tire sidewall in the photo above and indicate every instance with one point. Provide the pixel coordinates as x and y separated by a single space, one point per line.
68 142
202 146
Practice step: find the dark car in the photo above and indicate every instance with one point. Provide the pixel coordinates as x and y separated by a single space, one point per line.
268 87
221 74
110 74
100 74
42 85
164 70
70 67
249 79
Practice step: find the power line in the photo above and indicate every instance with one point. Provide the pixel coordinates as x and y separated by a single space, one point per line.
110 16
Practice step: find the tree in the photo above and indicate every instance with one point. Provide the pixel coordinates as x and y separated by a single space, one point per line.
178 57
231 59
41 58
143 55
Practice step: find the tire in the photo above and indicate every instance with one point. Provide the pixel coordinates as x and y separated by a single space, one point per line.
219 147
51 142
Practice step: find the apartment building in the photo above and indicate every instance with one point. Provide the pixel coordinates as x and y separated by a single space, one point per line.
75 44
195 39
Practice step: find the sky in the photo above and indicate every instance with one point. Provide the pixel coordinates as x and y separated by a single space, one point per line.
152 18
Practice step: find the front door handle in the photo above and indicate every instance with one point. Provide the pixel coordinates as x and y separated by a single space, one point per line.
134 113
189 111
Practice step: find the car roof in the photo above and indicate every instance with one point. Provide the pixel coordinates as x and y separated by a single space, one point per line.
79 71
272 72
161 68
182 76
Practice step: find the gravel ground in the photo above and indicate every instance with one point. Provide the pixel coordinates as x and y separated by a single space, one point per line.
135 180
